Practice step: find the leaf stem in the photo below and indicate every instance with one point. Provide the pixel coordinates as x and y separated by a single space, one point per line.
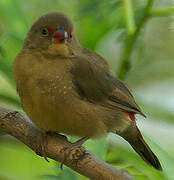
129 16
161 12
10 99
130 41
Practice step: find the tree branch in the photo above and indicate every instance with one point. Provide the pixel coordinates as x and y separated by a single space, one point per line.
80 160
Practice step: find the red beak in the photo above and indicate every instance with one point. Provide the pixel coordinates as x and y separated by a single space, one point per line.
59 36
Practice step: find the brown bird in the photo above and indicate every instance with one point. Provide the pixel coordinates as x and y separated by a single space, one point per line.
66 88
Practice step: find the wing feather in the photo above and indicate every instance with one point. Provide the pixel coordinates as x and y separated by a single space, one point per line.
95 83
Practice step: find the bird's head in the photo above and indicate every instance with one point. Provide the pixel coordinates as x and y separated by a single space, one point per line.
51 33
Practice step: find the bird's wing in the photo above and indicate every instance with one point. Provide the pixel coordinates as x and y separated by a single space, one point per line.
95 83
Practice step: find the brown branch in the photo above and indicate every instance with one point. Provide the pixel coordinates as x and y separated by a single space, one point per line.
80 160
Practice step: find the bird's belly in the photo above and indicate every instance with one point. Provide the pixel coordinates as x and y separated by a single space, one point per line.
64 114
54 106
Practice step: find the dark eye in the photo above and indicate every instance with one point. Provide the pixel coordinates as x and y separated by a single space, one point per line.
45 32
71 35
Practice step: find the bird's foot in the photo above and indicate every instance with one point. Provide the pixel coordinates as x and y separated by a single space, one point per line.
74 150
44 143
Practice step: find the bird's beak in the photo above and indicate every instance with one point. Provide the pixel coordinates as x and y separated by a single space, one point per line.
60 36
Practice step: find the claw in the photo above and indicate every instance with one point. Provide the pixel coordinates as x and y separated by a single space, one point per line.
68 150
44 143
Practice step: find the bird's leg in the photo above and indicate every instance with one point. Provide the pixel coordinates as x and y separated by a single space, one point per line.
44 142
72 146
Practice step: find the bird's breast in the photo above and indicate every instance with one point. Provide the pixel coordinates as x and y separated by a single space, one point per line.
45 89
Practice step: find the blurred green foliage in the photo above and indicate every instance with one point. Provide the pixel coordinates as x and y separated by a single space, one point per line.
135 38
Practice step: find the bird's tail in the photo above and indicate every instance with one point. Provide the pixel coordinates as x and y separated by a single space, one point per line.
135 139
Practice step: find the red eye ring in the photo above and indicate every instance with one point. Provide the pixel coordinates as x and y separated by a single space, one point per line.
69 34
51 30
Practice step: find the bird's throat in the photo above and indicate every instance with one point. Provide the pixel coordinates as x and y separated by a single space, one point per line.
60 49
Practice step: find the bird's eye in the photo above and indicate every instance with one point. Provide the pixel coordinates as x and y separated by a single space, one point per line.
45 32
71 35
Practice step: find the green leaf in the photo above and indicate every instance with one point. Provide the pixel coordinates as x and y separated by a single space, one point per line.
51 177
166 160
10 99
11 9
98 147
6 69
93 27
65 173
123 158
